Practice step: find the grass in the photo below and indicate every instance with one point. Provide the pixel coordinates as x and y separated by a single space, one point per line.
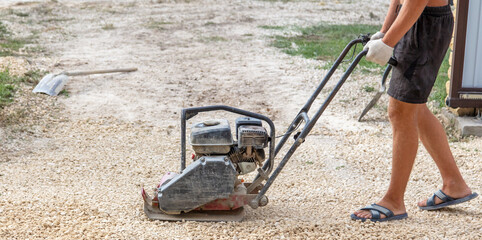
52 20
368 88
214 39
325 42
272 27
108 26
4 33
159 25
7 88
10 46
65 93
19 14
439 92
9 83
32 77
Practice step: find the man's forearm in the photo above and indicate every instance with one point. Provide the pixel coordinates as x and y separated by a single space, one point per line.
410 12
391 16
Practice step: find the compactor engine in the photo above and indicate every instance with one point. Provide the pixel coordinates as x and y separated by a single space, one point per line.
211 182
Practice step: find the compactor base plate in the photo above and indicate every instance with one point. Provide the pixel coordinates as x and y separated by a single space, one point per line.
236 215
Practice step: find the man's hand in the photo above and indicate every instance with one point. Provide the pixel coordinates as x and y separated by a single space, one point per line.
378 35
378 52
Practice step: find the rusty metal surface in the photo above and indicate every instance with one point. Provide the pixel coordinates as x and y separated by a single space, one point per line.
151 208
232 202
236 215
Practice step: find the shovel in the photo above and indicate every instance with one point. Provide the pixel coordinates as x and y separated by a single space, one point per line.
52 84
379 93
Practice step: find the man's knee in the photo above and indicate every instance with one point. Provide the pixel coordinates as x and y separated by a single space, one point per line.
401 112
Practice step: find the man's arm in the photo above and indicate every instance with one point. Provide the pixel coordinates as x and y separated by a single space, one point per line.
410 12
391 16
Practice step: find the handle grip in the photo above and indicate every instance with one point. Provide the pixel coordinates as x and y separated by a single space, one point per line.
393 62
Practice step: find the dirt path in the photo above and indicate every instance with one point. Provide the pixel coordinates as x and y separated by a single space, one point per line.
79 173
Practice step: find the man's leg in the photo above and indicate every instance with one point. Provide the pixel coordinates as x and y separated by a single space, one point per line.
434 139
404 120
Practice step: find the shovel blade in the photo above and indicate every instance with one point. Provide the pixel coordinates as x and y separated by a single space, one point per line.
380 92
51 84
370 105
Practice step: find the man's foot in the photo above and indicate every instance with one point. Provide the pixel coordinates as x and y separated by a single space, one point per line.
445 200
453 193
367 214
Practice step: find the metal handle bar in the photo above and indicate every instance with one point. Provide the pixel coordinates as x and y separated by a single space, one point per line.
302 115
309 124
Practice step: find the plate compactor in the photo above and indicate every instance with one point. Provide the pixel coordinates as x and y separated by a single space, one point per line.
210 188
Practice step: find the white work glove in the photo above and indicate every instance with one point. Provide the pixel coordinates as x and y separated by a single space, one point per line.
378 35
378 52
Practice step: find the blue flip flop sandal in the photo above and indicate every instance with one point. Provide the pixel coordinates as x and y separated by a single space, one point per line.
375 210
446 200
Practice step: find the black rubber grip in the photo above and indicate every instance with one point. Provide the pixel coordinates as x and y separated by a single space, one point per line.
393 62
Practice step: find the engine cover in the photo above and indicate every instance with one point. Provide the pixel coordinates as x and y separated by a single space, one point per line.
211 137
207 179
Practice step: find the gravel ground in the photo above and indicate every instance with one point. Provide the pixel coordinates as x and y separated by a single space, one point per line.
72 167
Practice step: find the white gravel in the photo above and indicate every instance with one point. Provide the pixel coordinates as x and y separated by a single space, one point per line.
72 167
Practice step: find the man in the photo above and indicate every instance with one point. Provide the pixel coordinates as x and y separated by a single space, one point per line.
417 33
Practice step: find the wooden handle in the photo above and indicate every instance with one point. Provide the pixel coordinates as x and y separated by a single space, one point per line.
81 73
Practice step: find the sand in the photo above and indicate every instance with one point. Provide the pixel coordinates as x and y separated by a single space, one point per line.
72 167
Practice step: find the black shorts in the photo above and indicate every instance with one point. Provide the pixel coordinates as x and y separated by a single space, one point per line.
420 53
